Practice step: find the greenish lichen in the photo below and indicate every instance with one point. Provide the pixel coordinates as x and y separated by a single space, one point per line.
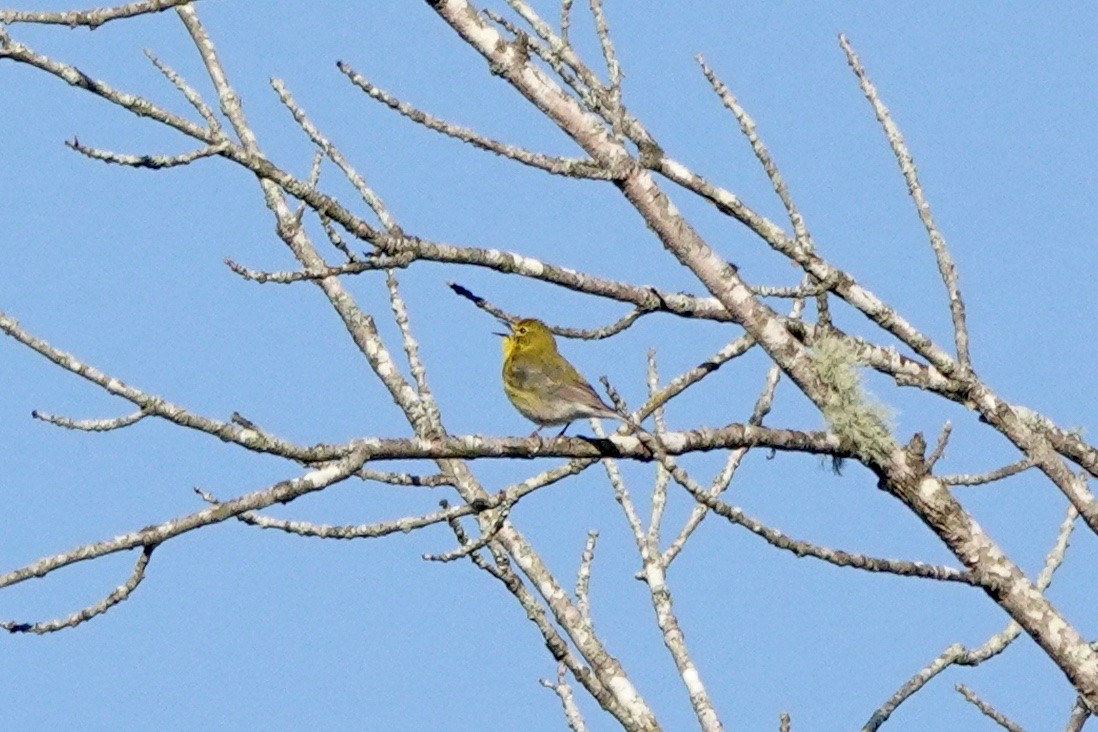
860 420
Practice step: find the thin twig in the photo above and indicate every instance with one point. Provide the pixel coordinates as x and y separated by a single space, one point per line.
956 653
838 557
505 498
583 577
91 425
565 19
119 594
411 349
467 548
747 125
252 439
663 478
154 162
592 334
946 266
570 167
572 715
556 644
722 480
336 238
621 492
372 263
912 685
655 576
189 93
333 153
613 68
940 446
990 477
995 715
733 349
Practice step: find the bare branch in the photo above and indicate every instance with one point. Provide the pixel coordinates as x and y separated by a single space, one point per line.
565 19
1070 444
663 478
91 425
724 478
946 266
583 577
563 690
557 645
747 125
119 594
154 162
735 457
838 557
940 446
570 167
621 492
411 347
916 682
733 349
655 577
613 68
281 492
92 19
251 439
372 263
406 479
470 547
956 653
333 153
997 643
990 477
998 717
1079 716
581 333
139 106
189 93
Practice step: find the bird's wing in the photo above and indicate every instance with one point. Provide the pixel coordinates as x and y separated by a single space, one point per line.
569 384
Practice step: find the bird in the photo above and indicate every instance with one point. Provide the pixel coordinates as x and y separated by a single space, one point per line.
542 385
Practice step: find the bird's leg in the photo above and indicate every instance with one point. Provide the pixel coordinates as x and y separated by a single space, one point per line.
564 429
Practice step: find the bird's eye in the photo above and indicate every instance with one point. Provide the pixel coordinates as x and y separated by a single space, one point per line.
521 330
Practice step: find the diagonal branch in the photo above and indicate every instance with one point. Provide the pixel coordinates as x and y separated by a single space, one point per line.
899 474
119 594
946 266
281 492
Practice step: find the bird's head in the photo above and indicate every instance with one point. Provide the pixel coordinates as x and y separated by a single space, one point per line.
529 337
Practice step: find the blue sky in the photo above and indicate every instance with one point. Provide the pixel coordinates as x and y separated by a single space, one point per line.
236 628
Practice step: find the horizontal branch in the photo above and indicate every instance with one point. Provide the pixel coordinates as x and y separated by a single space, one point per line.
153 162
506 497
93 18
91 425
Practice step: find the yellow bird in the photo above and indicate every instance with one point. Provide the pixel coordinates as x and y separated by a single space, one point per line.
540 382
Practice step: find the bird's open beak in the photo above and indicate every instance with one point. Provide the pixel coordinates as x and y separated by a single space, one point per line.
503 335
